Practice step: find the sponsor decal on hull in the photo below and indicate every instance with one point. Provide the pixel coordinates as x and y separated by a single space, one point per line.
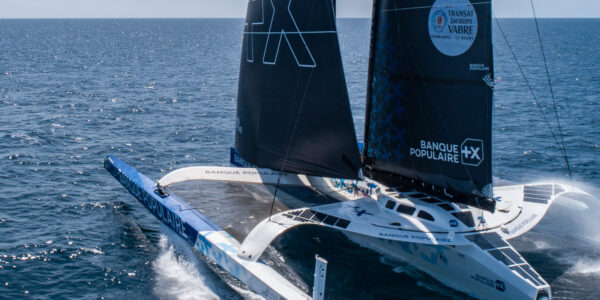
157 208
496 284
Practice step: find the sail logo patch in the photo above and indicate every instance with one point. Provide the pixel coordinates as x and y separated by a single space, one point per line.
452 26
282 30
469 153
439 20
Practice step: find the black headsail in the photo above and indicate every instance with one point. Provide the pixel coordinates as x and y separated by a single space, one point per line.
429 99
293 111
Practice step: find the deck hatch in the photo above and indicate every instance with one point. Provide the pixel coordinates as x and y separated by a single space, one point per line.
390 204
406 209
430 200
446 206
425 216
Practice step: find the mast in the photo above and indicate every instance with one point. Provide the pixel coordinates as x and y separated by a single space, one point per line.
429 97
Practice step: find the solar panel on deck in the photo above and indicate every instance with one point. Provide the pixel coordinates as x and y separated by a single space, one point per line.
330 220
501 257
534 200
495 239
513 255
532 273
537 193
319 217
525 275
343 223
307 214
480 241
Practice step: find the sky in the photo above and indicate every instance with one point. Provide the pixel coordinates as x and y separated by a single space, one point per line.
237 8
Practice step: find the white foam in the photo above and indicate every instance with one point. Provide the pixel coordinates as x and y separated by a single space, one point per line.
177 278
586 267
541 245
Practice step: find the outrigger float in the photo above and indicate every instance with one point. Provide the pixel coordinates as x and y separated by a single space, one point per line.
422 189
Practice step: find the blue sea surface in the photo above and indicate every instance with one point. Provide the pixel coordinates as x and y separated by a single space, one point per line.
161 94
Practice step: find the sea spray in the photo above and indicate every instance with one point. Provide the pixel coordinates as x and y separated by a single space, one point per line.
178 278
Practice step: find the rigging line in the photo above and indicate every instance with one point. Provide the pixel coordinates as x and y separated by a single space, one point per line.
289 146
560 134
527 81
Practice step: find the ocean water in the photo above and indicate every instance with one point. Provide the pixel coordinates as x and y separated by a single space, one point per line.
160 94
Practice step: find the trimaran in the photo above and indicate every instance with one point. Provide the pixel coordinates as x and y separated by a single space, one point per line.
421 189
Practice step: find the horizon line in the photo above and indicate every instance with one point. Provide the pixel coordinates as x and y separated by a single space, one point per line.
230 18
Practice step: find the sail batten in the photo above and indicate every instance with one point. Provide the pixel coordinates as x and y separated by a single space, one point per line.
429 99
293 111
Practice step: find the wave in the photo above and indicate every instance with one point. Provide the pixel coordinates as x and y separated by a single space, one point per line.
590 267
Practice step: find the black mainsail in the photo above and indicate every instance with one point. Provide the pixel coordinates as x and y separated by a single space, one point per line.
293 113
429 99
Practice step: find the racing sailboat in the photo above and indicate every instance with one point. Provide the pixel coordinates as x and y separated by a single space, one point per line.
421 190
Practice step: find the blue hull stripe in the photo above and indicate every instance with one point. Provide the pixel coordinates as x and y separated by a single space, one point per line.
171 210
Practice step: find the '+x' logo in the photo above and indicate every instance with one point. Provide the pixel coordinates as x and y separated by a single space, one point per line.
472 152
